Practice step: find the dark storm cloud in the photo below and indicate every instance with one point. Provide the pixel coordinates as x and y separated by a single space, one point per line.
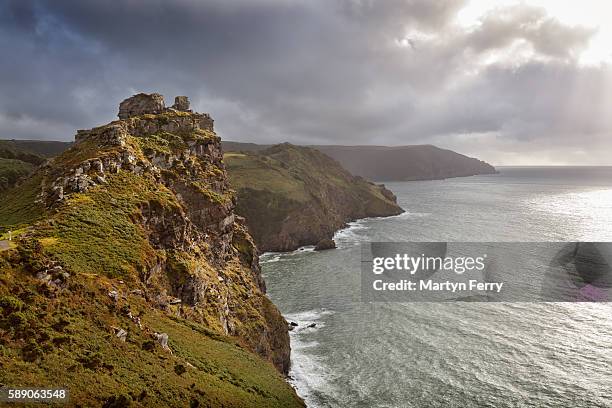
322 71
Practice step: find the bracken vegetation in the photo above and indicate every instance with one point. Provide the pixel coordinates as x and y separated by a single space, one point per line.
93 276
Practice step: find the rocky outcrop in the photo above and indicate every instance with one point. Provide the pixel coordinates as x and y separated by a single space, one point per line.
325 244
141 104
181 103
193 253
293 196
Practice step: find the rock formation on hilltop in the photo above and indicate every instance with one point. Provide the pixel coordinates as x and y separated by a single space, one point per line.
138 214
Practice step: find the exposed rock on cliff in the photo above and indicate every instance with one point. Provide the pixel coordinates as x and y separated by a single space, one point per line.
325 244
293 196
142 208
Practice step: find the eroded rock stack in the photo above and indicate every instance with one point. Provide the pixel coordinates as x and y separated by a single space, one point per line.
141 104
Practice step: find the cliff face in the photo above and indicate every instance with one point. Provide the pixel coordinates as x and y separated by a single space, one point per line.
293 196
143 206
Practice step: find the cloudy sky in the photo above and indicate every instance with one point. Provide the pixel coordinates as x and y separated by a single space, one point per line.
507 81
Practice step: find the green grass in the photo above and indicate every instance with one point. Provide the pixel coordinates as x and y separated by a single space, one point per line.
164 143
11 170
262 173
18 206
74 347
104 219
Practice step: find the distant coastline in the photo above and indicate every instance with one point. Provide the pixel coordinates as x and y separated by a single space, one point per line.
393 163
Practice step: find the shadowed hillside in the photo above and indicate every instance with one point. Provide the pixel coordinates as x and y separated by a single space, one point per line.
18 158
293 196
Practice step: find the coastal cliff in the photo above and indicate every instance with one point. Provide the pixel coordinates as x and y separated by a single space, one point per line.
293 196
129 271
393 163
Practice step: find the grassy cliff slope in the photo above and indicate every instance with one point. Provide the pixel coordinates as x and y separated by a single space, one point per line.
293 196
11 170
129 280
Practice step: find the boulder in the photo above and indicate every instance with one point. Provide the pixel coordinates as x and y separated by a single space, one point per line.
113 294
181 103
141 104
121 334
324 244
162 339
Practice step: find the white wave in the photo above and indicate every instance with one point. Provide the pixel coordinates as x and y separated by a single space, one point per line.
308 248
272 257
308 371
269 257
351 235
309 316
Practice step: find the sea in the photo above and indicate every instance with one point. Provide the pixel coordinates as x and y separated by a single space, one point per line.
452 354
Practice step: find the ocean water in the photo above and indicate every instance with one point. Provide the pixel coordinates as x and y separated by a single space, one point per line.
453 354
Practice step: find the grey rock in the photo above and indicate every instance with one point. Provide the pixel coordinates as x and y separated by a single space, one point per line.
141 104
325 244
181 103
97 166
43 276
121 334
162 339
